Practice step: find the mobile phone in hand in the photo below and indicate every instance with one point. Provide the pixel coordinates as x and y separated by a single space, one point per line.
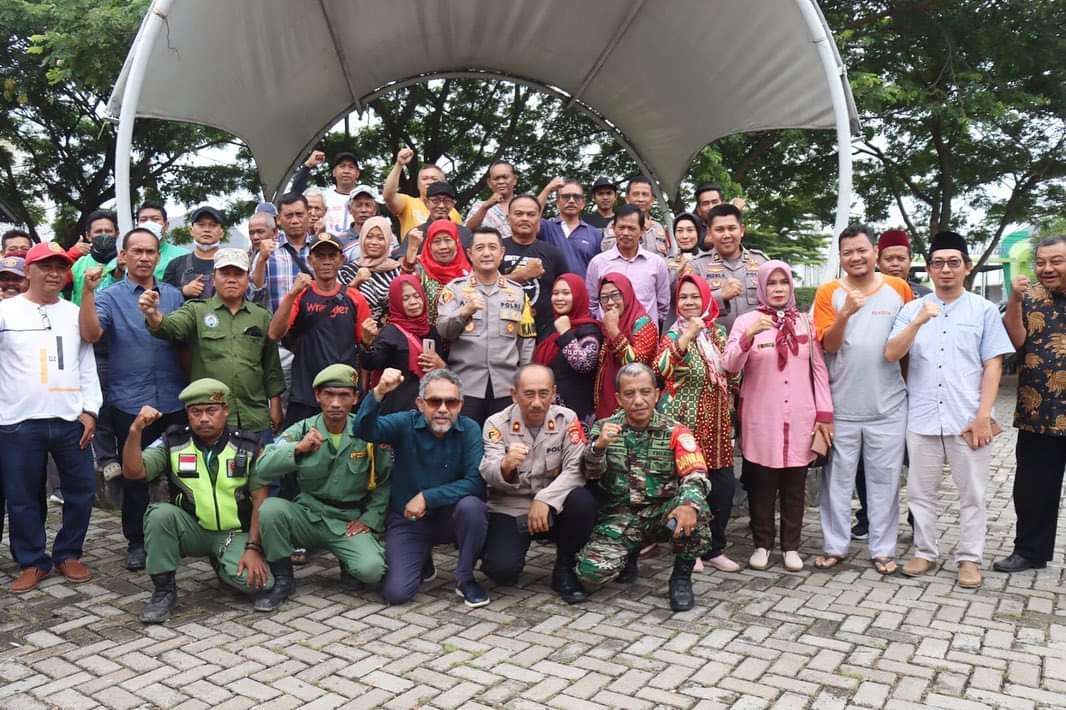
429 345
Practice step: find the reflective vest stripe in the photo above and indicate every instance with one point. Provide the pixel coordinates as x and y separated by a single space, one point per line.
213 500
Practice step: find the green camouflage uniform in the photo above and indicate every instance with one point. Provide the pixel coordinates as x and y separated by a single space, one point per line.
644 475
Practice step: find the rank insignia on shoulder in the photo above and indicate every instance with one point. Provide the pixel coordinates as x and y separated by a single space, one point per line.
494 434
515 427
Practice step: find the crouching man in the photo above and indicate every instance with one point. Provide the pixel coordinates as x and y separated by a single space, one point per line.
535 488
211 512
344 491
651 472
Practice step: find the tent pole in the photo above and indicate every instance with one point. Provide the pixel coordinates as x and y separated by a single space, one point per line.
131 94
834 76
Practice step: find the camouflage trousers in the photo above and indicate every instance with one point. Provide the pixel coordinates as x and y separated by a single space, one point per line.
620 533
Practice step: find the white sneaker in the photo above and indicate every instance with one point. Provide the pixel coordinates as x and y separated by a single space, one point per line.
56 498
793 561
723 564
112 471
760 559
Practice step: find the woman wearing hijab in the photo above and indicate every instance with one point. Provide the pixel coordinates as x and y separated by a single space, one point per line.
572 350
697 394
401 343
629 335
374 270
441 262
784 409
688 233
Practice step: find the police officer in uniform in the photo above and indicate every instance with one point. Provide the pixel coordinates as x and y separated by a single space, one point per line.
651 472
532 467
488 323
730 269
211 512
344 489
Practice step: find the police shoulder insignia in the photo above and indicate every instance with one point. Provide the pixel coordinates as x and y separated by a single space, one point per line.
576 432
494 434
515 427
446 295
551 425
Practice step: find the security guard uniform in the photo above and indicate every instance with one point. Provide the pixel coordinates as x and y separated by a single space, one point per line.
744 268
345 480
550 473
486 349
210 508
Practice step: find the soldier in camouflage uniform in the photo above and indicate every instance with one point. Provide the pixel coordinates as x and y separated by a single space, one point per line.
651 471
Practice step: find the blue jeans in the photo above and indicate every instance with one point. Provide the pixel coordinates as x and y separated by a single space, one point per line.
26 446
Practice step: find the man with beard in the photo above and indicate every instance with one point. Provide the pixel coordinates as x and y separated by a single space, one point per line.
487 321
570 232
51 397
151 373
344 491
192 272
530 261
101 231
532 468
438 504
1036 323
226 336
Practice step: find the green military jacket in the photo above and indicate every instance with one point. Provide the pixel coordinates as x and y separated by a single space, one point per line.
232 348
642 468
340 482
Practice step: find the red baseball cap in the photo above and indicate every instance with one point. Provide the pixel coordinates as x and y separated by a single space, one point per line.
46 250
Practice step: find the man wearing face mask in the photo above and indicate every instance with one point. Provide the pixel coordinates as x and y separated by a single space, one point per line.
192 273
101 230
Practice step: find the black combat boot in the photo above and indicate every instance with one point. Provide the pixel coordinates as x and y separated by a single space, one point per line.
164 599
681 596
284 584
629 573
565 581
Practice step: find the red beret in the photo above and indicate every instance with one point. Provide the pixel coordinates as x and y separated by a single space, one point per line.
893 238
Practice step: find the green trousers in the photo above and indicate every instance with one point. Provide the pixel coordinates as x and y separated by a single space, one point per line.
285 525
170 533
618 534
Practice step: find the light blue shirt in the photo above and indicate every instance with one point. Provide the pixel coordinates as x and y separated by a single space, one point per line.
947 361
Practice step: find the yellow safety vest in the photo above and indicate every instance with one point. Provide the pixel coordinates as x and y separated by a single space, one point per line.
220 501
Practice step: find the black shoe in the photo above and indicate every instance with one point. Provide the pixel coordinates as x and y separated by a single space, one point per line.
429 570
629 572
566 583
1016 563
136 558
473 594
860 532
350 583
284 584
164 599
681 596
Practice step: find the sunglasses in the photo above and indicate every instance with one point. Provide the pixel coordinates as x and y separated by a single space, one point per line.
449 402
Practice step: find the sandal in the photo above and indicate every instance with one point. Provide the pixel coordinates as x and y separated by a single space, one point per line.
884 565
827 561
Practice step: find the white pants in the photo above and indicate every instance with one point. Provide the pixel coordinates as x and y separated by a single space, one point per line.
969 469
880 443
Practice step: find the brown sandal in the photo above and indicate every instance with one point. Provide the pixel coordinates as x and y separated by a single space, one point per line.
884 565
827 561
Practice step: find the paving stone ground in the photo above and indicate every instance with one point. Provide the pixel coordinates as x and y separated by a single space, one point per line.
816 639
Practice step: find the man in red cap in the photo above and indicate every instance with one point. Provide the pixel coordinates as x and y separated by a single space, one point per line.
51 398
894 259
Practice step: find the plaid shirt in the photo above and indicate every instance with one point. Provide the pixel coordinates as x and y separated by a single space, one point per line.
281 272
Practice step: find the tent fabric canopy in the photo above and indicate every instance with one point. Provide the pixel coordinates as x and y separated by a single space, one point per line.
667 76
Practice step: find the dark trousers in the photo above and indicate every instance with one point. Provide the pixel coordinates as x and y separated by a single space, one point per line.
506 545
26 446
409 543
766 486
721 503
135 493
1040 462
3 507
105 447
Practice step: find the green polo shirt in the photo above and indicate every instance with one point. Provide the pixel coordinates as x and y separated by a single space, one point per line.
232 348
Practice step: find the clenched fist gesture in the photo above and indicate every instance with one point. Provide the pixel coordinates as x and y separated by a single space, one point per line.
391 378
302 282
1019 285
928 311
472 303
516 455
146 418
149 305
93 277
608 434
763 322
731 289
562 324
853 302
310 443
316 159
405 156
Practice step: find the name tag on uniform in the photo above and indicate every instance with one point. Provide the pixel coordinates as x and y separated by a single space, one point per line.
186 463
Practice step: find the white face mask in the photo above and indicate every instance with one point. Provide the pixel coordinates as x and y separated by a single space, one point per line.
208 247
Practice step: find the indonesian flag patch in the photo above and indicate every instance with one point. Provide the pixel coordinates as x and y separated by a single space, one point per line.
186 463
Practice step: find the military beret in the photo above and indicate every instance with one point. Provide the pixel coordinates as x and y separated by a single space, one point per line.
205 391
337 376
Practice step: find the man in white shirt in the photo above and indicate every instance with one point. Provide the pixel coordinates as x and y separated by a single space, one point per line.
51 398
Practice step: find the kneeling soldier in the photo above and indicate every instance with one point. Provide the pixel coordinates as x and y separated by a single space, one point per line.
344 491
651 472
211 510
532 468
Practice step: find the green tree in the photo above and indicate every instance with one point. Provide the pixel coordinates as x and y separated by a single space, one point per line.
58 61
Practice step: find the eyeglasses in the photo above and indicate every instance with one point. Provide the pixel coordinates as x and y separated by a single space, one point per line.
571 197
939 264
612 296
45 325
211 410
449 402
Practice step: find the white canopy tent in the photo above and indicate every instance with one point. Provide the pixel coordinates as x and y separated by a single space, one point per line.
665 77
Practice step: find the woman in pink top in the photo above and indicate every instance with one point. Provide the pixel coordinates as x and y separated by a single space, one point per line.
784 402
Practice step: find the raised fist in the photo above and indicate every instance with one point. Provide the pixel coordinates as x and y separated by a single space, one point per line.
266 248
391 378
193 289
562 324
516 454
302 282
317 158
146 418
310 443
472 302
405 156
611 319
149 302
608 434
1019 285
763 322
731 289
928 311
362 276
93 277
853 302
